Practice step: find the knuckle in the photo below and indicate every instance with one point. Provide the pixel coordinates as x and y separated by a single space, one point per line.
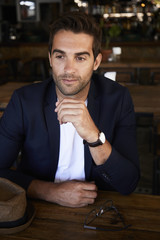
79 185
95 194
91 201
82 105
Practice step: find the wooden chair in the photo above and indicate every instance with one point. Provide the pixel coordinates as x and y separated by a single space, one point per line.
123 75
36 69
156 175
145 121
156 152
3 73
39 68
156 134
155 76
143 76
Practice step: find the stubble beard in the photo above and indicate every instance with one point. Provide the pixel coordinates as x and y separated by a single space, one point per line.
70 90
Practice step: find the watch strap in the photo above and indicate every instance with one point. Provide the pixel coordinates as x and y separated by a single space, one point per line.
94 144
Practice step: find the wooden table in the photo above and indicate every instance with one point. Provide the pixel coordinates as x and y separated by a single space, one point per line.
6 91
140 70
56 222
127 63
146 98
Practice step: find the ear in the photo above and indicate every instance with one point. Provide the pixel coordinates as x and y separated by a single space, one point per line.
49 56
97 61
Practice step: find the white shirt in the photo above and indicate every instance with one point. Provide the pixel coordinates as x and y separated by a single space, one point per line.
71 157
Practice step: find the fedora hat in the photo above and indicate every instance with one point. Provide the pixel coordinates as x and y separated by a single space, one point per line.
16 214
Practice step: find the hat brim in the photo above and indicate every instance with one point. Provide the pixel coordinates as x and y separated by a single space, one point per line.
30 210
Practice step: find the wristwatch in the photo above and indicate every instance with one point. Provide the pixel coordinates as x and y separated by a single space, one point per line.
101 140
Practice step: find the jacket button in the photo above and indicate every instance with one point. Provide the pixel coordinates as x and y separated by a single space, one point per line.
106 176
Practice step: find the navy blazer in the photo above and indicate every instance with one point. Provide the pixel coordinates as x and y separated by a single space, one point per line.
30 124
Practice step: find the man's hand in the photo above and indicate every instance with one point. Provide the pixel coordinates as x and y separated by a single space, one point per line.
69 194
75 193
76 112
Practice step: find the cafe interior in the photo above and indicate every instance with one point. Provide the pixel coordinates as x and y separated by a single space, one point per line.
131 56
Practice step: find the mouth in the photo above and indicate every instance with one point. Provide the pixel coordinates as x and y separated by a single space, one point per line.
69 81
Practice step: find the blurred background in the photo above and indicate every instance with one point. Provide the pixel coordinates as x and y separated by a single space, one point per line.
131 27
131 56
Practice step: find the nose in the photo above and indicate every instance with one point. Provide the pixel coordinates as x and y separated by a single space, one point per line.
69 66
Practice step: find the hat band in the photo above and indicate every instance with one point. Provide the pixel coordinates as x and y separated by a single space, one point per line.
12 224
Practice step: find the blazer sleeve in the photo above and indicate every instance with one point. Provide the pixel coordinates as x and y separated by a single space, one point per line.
11 140
121 170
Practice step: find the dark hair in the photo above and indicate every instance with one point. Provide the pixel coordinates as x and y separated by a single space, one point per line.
77 22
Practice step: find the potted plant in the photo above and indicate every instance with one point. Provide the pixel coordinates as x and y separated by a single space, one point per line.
112 33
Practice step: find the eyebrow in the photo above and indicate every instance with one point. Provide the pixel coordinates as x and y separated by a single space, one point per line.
77 54
58 51
82 53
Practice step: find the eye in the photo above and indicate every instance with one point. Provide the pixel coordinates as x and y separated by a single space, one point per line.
59 56
79 58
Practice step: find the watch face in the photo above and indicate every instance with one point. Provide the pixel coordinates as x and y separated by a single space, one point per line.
101 140
102 137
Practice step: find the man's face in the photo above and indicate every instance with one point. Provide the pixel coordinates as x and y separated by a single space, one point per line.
72 63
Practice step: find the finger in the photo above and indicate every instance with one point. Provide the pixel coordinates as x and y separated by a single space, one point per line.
87 201
57 103
70 111
90 194
89 186
88 197
67 118
74 116
69 105
70 100
67 113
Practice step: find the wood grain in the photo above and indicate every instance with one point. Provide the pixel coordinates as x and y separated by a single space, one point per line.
56 222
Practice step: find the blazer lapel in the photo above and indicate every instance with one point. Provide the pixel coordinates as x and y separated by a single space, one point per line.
53 128
93 108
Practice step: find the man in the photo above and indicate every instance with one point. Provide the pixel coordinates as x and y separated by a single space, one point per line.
76 131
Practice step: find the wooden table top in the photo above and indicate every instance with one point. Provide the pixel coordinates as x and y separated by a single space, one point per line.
56 222
7 89
130 64
146 98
